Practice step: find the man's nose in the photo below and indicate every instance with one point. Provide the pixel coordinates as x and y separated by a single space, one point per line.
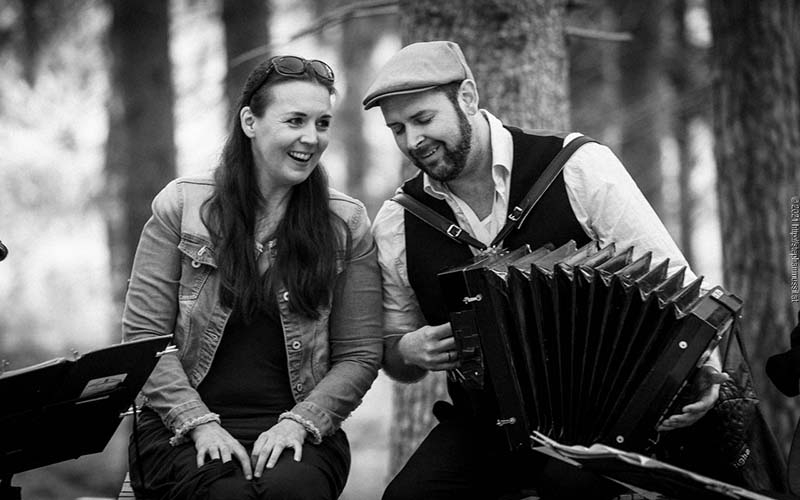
414 139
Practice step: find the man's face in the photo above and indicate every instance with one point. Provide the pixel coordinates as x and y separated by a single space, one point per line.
431 131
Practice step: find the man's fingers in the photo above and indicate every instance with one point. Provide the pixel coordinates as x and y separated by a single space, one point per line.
693 412
442 361
439 332
718 377
708 376
704 404
678 421
448 357
707 399
447 344
298 451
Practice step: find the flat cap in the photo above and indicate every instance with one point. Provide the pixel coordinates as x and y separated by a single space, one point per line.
418 67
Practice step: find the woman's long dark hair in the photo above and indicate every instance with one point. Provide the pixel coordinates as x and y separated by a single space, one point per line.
307 237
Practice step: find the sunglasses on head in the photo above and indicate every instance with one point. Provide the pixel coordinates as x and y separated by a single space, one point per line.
296 66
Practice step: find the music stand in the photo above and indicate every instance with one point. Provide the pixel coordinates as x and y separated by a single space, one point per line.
647 476
63 409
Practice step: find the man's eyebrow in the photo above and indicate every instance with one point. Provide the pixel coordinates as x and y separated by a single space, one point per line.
415 116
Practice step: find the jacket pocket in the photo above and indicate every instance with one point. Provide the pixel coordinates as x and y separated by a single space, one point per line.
196 264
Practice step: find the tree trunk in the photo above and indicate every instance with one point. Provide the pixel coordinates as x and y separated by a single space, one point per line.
246 25
643 80
688 68
515 48
32 40
594 77
757 130
359 37
517 53
140 152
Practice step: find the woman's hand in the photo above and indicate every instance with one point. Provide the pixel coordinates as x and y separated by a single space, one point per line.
211 439
270 444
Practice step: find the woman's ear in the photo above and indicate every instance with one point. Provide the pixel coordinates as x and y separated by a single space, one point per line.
247 121
468 94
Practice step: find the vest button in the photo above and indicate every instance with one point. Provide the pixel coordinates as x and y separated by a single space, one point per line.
299 387
297 345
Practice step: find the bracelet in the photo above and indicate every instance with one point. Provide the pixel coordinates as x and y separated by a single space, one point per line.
180 433
308 425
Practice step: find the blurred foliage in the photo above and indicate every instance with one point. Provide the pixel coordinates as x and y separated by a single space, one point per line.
51 134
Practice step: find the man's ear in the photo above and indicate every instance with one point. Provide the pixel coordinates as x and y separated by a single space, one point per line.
468 95
247 121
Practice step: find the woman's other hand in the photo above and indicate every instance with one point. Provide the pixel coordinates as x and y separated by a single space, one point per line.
270 444
212 440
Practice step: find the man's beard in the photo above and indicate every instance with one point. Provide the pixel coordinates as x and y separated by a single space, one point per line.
454 159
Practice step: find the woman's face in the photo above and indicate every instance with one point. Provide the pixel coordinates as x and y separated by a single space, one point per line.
288 140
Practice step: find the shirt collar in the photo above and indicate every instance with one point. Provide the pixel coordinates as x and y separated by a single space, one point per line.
502 159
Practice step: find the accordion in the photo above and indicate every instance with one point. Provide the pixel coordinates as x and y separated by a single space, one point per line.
583 345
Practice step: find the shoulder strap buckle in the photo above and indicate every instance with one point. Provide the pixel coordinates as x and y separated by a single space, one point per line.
454 231
516 214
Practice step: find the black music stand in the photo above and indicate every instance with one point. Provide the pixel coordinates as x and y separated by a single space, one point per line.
63 409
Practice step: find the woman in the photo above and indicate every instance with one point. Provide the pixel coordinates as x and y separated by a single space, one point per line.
269 281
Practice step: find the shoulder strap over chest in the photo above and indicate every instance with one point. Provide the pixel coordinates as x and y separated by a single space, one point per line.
515 215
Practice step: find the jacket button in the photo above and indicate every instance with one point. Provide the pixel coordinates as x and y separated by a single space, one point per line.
285 296
196 264
297 345
299 387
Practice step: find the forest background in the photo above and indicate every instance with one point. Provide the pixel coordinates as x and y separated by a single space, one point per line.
102 102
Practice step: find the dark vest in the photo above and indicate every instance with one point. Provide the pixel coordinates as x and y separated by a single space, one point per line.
551 221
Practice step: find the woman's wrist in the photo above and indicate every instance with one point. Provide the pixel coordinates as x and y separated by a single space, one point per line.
182 431
307 424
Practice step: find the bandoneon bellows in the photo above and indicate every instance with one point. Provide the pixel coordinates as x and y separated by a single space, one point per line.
584 345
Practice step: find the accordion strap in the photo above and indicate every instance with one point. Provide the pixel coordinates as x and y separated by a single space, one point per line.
436 220
515 216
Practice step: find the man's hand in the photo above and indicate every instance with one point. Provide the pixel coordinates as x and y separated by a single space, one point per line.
271 443
212 440
706 385
430 347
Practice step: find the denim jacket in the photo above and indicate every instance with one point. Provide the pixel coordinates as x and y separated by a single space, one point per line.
175 289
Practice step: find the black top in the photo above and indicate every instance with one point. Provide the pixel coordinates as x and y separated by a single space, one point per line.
249 375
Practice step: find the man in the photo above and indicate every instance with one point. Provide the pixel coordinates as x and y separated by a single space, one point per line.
472 169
